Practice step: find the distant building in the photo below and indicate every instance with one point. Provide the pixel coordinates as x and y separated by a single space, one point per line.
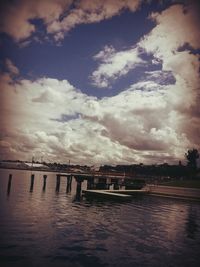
22 165
35 165
12 164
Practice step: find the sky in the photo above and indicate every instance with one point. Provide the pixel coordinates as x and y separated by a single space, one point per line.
99 82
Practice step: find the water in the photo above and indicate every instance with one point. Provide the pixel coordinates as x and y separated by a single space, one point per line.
56 229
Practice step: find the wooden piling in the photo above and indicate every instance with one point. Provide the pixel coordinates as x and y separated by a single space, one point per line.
57 182
69 184
32 182
116 186
44 182
79 181
90 183
9 184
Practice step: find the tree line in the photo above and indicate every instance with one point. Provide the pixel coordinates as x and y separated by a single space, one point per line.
163 170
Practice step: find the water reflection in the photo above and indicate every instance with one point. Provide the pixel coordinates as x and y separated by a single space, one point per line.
69 184
191 224
9 184
32 182
44 182
57 183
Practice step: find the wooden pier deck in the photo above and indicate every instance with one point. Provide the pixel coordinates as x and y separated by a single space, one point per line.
105 194
129 191
113 194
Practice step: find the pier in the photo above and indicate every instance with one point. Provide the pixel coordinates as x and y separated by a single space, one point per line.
115 183
100 185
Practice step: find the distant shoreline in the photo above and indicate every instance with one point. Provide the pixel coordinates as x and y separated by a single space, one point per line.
32 169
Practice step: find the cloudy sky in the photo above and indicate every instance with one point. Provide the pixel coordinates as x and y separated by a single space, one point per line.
99 81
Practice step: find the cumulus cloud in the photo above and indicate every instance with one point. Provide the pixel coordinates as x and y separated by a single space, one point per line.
114 65
32 123
17 17
87 11
160 77
142 128
59 16
134 126
175 27
172 92
172 42
11 67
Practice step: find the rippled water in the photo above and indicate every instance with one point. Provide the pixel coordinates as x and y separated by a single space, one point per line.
54 229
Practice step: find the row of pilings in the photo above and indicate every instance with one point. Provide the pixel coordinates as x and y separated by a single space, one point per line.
57 187
93 182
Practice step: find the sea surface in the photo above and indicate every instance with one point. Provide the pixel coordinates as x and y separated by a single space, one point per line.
49 228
